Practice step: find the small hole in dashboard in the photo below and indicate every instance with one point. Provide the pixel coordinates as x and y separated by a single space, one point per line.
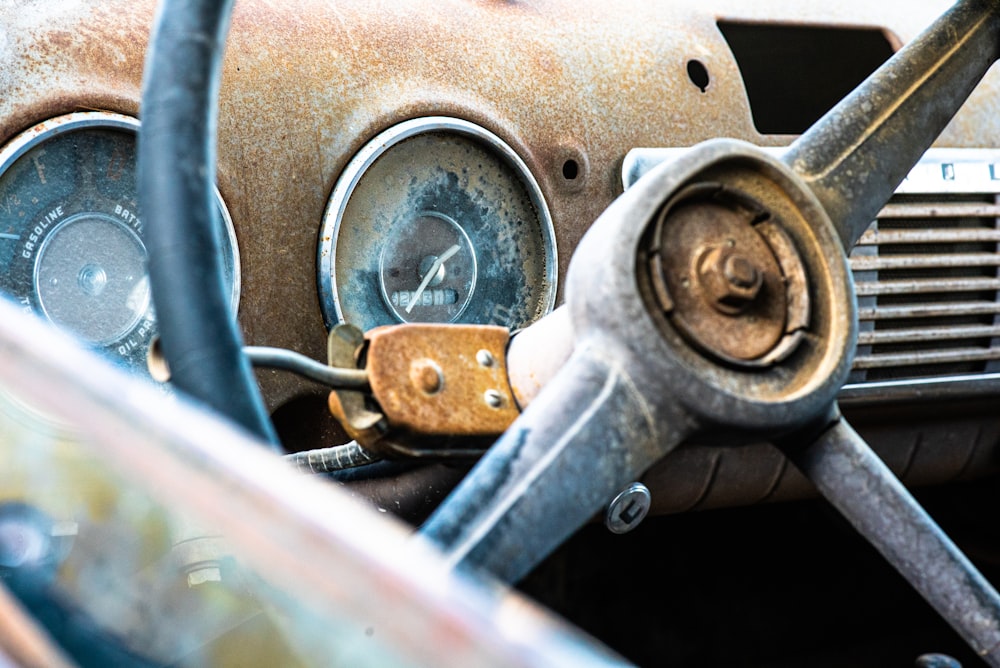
698 74
570 170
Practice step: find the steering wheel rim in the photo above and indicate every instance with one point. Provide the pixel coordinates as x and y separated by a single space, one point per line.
200 338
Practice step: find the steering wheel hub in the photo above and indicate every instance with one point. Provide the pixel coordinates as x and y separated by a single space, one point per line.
721 282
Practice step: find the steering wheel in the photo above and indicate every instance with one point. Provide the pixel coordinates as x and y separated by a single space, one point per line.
713 299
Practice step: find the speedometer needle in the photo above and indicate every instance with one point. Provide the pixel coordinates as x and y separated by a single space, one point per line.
444 257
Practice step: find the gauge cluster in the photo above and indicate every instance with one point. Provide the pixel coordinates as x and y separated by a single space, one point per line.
71 248
435 220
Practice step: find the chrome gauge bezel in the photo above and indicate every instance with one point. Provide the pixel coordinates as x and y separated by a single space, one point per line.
129 348
106 120
330 300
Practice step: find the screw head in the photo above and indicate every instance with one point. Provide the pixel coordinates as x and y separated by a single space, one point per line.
485 358
628 509
493 398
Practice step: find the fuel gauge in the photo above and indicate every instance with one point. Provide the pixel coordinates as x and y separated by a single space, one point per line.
71 248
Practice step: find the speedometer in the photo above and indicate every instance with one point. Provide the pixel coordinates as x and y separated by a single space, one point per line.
436 220
71 248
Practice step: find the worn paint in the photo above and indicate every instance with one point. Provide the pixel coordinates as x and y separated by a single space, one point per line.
439 380
307 83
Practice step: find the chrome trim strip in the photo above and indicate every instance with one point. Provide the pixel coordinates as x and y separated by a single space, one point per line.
921 389
941 170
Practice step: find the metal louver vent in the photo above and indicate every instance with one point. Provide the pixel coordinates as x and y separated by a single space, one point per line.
927 274
927 281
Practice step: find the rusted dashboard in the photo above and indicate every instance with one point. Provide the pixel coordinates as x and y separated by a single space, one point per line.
567 89
415 162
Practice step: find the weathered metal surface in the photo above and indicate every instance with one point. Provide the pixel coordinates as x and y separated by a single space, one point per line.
931 210
615 409
350 406
957 354
441 380
899 112
929 310
929 261
488 63
704 243
321 117
928 334
291 119
620 387
924 285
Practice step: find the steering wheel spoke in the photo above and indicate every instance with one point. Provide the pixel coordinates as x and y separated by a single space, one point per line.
714 295
850 476
857 154
585 438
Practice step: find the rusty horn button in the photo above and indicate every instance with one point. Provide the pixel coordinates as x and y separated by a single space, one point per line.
725 282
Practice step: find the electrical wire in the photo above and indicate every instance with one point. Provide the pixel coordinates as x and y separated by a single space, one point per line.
327 460
287 360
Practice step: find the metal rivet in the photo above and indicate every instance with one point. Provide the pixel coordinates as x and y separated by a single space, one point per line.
628 509
485 358
426 376
493 398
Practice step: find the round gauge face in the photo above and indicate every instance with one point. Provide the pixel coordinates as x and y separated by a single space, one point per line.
71 245
427 270
436 220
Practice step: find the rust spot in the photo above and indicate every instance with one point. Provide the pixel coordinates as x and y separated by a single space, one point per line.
428 379
60 39
426 376
722 278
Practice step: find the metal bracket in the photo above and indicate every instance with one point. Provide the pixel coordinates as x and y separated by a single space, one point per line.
344 347
427 382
